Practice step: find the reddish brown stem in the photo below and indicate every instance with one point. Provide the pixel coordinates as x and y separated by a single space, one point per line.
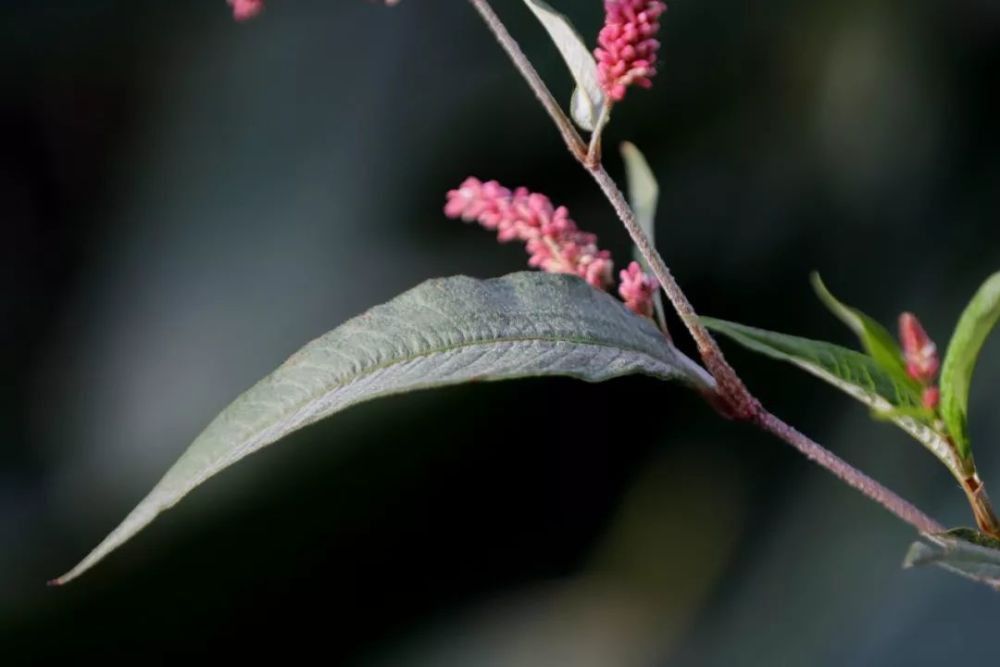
733 399
815 452
982 509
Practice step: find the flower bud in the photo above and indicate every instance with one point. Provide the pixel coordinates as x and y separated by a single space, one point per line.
919 351
244 10
931 398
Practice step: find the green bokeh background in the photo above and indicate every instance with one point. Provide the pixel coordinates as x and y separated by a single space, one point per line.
186 201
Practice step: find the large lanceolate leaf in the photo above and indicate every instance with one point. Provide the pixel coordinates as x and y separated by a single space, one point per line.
975 324
588 98
963 551
643 195
876 340
853 373
443 332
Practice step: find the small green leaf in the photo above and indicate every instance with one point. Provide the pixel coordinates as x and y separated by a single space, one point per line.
588 98
853 373
875 339
964 551
975 324
441 333
643 194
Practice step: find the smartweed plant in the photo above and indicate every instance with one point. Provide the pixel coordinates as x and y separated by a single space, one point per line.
563 319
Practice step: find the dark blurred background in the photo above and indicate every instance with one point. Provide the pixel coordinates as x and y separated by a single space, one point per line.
185 201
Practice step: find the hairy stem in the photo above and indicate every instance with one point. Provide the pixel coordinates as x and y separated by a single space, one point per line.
733 391
741 403
815 452
574 142
733 398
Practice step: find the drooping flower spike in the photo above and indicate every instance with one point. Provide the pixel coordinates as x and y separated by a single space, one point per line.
552 239
627 45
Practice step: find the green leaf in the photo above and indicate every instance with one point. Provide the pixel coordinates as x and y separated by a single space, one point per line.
876 340
443 332
853 373
975 324
588 98
964 551
643 194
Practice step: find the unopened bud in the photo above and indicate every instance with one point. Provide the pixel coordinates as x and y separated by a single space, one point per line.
919 351
931 398
244 10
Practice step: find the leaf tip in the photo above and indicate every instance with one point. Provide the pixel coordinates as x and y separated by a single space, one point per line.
821 290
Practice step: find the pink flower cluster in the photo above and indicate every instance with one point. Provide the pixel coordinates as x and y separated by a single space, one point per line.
627 45
921 357
637 289
244 10
552 239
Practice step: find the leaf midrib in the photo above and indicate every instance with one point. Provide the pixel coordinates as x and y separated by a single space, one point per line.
354 377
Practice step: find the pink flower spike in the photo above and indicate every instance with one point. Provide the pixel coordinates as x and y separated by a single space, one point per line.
919 351
244 10
552 239
627 45
637 289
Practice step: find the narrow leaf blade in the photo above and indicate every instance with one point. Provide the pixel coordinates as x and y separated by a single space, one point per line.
853 373
644 194
973 327
588 98
876 340
443 332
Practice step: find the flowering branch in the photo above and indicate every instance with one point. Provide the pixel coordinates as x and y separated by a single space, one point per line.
732 389
733 398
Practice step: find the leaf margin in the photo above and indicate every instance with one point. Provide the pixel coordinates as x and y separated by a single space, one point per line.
974 326
588 102
875 338
937 444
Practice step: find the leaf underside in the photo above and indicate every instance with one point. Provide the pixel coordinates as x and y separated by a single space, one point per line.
588 98
973 327
963 551
443 332
852 372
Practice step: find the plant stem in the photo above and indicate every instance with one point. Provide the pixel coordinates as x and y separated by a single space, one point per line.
733 398
594 150
574 143
742 404
815 452
733 392
982 509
